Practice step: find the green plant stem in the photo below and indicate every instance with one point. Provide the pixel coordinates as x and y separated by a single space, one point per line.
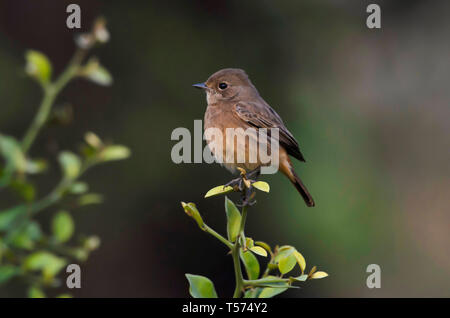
58 192
243 219
40 118
237 271
51 91
51 198
262 281
266 272
209 230
236 260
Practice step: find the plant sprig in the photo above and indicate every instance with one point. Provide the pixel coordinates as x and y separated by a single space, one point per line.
283 259
26 251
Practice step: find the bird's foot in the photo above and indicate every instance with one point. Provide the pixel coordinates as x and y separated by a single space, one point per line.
243 184
237 184
240 183
248 192
253 175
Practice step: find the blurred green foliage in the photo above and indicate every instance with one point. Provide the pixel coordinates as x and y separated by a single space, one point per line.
27 251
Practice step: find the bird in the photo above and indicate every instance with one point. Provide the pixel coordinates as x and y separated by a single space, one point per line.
234 102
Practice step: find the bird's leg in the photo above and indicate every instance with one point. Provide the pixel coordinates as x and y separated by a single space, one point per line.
248 194
254 174
241 182
247 190
238 182
244 184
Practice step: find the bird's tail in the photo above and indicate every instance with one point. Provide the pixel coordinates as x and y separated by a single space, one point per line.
288 171
301 189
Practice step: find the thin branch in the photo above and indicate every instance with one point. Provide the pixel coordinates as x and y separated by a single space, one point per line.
51 91
209 230
236 259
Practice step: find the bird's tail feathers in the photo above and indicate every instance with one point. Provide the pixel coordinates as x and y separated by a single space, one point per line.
288 170
302 189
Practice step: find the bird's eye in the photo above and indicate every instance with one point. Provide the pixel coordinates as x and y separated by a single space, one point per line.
223 85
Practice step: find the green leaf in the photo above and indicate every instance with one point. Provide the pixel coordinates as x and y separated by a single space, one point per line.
36 166
259 250
38 66
114 152
270 292
96 73
91 243
251 264
25 190
101 76
218 191
201 286
62 226
191 210
249 243
283 252
25 237
261 185
286 264
12 152
79 188
7 272
248 293
70 163
44 261
300 278
35 292
233 219
253 292
93 140
80 254
312 271
15 160
100 31
88 151
278 288
7 217
300 260
318 275
90 198
264 245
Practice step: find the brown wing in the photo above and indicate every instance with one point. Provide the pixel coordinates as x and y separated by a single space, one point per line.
263 116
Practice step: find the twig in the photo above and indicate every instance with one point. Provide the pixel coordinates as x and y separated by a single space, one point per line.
51 91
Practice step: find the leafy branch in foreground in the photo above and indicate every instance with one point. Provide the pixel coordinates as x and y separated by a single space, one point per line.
259 283
27 253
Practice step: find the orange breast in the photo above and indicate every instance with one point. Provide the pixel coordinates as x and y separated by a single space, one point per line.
238 144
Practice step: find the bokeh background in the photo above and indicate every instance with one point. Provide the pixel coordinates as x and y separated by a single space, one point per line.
370 109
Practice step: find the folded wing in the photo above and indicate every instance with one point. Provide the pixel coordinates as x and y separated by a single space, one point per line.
261 115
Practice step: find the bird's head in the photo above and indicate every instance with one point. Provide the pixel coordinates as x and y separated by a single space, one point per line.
227 84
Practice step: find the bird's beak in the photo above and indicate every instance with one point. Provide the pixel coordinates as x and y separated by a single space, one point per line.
200 85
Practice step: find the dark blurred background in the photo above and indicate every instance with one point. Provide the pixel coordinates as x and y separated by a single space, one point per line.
370 109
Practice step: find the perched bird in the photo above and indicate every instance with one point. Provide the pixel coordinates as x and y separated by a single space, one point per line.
234 102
